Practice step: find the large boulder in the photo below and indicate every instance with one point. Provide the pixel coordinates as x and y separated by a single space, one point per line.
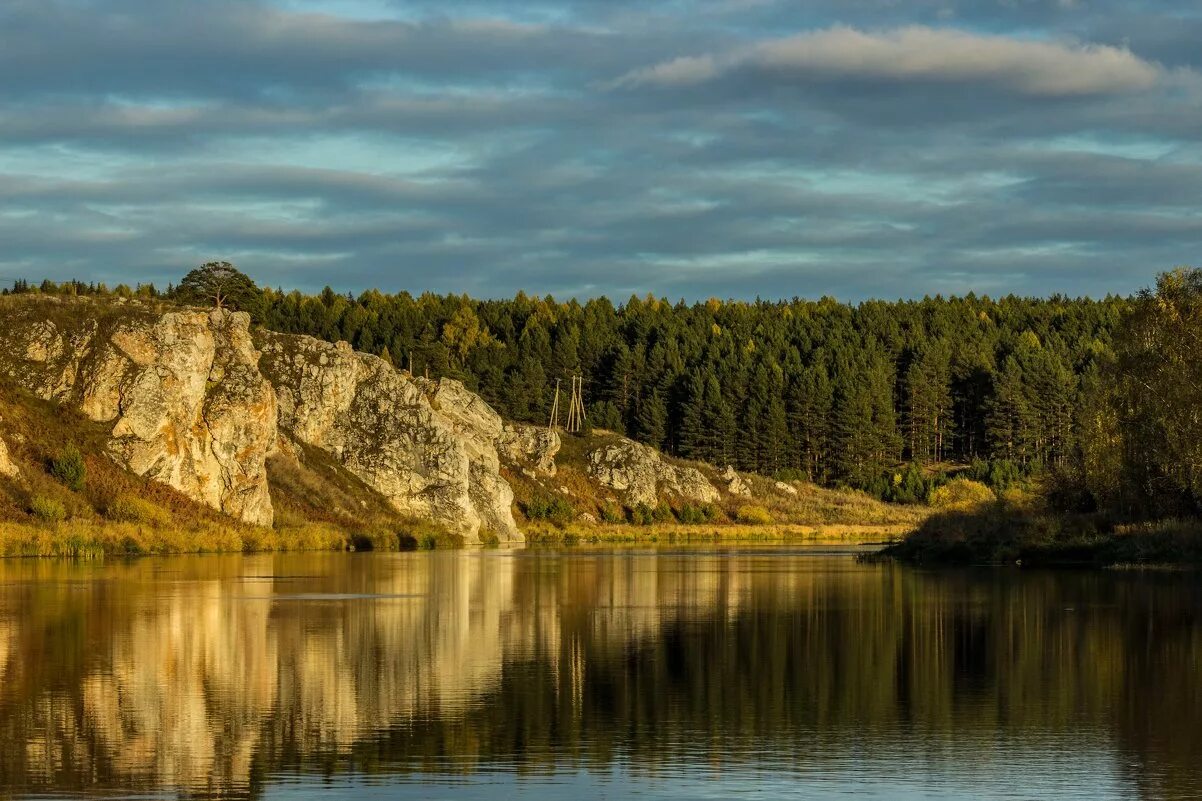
529 448
429 447
735 484
181 389
641 474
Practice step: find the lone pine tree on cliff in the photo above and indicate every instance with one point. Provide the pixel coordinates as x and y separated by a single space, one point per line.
224 286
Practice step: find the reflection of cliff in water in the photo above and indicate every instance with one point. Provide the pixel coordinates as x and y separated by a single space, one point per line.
213 674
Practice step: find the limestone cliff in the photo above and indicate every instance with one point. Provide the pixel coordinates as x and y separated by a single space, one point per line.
198 404
182 390
429 447
642 475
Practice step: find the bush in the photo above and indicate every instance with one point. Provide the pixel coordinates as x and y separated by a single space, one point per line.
693 514
612 513
550 507
48 510
908 486
69 468
1000 474
961 493
754 515
642 515
129 509
489 538
663 513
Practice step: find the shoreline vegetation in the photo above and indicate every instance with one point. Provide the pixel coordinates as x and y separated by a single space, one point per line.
972 431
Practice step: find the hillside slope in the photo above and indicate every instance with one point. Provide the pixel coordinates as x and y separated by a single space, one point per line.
186 419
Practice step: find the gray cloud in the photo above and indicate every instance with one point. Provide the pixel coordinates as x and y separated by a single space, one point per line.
918 54
856 147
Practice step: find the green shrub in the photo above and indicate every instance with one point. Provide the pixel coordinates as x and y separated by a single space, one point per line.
69 468
642 515
612 513
489 538
791 474
908 486
960 493
999 474
130 509
48 510
694 514
663 513
554 508
754 515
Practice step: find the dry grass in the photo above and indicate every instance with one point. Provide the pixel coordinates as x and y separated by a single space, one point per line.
848 534
94 538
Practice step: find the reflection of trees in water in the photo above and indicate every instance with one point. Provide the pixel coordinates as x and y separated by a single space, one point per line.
179 673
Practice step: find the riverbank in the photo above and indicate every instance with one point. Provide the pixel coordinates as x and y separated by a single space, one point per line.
90 539
96 539
1002 534
841 533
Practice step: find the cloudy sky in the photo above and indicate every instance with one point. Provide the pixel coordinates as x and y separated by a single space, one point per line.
860 148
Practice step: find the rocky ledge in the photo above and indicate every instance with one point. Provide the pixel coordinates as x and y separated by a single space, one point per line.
642 475
198 402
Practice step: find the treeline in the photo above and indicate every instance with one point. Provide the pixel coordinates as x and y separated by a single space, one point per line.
1140 423
1104 395
835 393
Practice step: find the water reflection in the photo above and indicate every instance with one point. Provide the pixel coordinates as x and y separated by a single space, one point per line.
232 676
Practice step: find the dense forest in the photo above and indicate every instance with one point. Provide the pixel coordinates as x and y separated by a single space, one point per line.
874 395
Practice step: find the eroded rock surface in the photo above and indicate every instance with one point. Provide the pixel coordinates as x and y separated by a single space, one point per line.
182 390
7 468
430 447
641 474
735 484
530 448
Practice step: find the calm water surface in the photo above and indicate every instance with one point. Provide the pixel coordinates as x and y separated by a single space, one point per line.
783 673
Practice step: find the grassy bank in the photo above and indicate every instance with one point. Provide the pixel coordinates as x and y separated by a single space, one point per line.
845 534
1009 533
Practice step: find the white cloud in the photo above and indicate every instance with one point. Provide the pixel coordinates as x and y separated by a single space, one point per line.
920 54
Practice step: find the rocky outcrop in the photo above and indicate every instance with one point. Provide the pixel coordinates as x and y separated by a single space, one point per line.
429 447
531 449
642 475
7 468
182 390
735 484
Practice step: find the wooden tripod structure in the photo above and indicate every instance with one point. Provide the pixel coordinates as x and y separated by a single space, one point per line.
576 413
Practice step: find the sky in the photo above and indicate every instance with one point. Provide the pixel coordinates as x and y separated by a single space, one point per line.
686 148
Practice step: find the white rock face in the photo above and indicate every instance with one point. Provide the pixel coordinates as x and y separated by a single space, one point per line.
188 405
735 485
641 474
529 447
7 468
429 447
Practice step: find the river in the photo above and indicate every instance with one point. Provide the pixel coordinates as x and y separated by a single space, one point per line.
625 673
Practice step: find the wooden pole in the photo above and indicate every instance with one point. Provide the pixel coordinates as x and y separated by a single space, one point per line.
554 409
572 409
